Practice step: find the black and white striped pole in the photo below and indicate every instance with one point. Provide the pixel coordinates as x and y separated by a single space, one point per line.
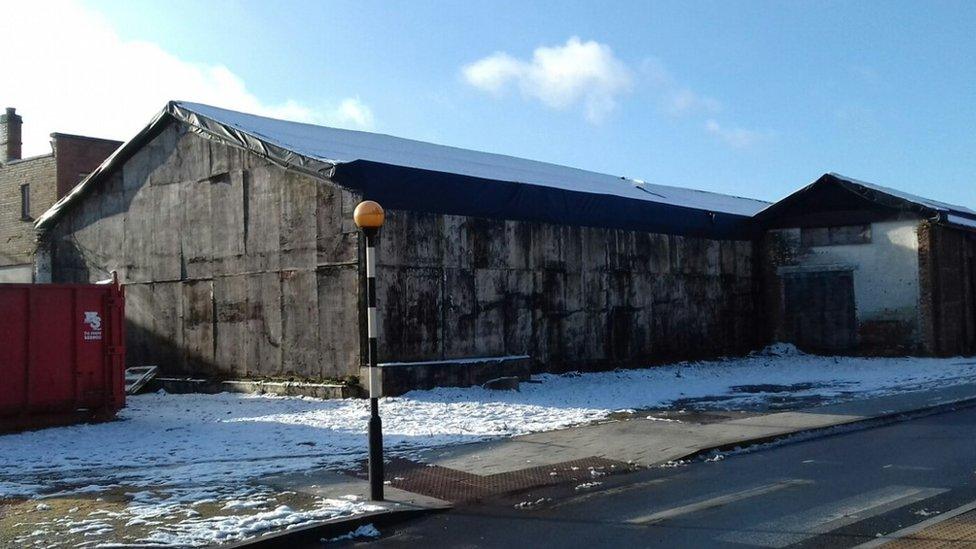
369 217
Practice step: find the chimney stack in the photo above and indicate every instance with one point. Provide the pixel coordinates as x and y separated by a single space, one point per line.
10 125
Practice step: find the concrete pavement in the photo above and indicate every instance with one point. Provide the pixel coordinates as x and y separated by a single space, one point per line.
647 442
440 477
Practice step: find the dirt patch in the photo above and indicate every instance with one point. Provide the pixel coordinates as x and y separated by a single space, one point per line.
106 517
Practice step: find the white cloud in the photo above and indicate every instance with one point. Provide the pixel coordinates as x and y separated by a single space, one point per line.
676 98
351 113
681 101
67 70
587 73
739 138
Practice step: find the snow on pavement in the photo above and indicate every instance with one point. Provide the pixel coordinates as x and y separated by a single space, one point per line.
182 449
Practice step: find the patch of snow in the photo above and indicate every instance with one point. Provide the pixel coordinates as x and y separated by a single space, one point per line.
364 531
237 504
664 419
530 504
177 452
779 349
225 528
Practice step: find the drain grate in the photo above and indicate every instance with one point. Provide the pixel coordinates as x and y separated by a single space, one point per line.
458 486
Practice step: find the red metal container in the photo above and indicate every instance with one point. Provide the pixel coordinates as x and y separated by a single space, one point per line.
62 354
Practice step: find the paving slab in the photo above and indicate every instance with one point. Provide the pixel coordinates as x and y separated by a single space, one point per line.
788 422
646 441
502 456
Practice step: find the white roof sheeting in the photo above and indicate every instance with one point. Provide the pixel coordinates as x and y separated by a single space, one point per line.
337 146
926 202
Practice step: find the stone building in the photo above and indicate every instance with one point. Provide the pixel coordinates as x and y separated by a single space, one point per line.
855 267
29 186
233 235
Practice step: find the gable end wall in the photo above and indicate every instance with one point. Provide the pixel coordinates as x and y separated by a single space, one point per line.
233 266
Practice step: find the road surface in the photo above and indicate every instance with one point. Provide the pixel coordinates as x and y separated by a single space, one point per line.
838 491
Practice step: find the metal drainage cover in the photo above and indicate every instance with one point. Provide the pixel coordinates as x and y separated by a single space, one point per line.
458 486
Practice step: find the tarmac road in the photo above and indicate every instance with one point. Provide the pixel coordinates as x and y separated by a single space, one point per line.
837 491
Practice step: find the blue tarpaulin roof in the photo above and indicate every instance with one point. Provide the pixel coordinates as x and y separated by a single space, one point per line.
413 175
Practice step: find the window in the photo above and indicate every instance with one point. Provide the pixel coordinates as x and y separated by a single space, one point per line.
835 236
25 202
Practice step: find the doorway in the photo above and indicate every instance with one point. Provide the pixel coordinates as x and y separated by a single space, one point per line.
818 310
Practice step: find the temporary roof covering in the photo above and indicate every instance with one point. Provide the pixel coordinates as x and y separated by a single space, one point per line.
412 175
893 199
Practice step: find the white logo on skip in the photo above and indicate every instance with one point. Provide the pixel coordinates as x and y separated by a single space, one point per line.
94 322
92 319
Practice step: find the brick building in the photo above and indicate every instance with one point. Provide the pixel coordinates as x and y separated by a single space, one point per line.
29 186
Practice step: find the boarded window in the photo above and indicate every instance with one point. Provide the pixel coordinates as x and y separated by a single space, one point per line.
835 236
25 202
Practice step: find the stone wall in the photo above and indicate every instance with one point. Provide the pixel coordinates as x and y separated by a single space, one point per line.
570 297
233 267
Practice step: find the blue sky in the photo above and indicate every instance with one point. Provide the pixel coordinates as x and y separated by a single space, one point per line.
747 98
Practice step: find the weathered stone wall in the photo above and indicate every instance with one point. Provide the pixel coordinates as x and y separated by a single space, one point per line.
233 267
947 270
570 297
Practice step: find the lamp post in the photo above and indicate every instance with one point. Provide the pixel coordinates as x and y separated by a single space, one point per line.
369 218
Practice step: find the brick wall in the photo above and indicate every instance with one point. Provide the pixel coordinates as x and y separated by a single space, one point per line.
77 156
17 239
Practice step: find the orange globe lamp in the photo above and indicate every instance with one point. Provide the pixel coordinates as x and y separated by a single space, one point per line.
369 215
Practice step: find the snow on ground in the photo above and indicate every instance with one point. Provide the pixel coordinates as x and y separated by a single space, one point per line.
174 451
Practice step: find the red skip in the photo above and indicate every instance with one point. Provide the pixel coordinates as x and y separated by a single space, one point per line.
62 354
